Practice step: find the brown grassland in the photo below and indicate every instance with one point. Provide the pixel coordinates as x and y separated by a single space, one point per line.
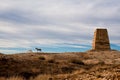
96 65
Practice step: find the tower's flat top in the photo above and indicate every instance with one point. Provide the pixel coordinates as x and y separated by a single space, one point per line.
101 29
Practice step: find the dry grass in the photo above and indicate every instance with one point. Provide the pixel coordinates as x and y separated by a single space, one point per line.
71 66
74 76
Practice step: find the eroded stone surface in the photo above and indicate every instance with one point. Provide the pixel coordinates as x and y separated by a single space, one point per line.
101 40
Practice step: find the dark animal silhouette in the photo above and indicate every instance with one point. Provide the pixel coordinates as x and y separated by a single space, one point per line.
38 49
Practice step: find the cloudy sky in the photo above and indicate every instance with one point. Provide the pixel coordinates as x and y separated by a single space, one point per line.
56 25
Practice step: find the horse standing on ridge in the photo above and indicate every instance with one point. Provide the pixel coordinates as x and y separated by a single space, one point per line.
38 49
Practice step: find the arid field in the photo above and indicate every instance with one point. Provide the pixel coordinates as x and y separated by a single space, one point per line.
94 65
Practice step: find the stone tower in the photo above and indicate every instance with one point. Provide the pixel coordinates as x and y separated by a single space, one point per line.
101 40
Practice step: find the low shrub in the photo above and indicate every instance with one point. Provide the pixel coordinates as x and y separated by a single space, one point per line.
51 61
77 61
42 58
67 69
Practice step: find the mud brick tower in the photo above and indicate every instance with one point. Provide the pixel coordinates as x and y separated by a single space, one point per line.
101 40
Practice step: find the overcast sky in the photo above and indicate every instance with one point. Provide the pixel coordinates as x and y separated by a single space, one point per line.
56 25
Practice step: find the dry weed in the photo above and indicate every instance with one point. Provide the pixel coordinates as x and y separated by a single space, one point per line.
16 78
2 78
42 77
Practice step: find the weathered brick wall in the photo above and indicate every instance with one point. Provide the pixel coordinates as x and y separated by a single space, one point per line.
101 40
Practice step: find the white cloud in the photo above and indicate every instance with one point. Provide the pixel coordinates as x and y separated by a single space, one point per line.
14 43
35 22
7 27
